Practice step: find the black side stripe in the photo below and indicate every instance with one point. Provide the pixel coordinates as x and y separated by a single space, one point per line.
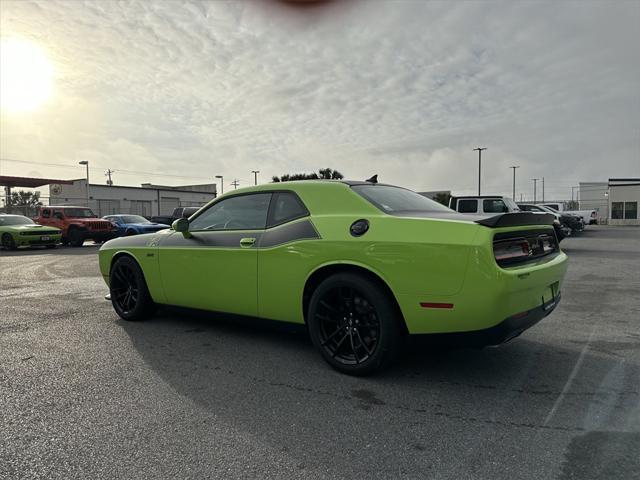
290 232
287 233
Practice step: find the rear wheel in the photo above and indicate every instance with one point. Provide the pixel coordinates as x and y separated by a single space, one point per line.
354 324
8 242
129 293
76 238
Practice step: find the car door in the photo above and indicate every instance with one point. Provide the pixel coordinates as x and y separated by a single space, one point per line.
214 266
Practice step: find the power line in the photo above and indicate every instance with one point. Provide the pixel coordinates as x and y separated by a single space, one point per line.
133 172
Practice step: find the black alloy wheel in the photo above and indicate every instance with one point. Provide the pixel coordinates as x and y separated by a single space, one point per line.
354 324
129 293
76 237
8 242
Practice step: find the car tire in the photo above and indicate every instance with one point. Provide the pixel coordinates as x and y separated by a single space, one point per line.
130 296
76 238
354 324
8 242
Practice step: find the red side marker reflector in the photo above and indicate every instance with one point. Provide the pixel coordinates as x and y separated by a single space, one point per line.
436 305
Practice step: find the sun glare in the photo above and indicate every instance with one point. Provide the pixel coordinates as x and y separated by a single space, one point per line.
26 76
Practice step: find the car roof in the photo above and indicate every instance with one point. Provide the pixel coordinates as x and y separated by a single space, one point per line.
64 206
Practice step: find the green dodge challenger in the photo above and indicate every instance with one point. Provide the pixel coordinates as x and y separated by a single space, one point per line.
362 264
17 231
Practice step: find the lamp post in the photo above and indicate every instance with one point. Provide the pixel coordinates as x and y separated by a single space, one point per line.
514 181
221 184
479 150
255 176
535 184
86 163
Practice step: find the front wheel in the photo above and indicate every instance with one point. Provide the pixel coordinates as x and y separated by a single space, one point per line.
354 324
8 242
76 238
129 293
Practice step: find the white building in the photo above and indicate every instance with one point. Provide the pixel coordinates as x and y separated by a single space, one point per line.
594 196
624 197
146 200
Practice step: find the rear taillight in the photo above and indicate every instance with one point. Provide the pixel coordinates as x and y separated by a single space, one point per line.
511 250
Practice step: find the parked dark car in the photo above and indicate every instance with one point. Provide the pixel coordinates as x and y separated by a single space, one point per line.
567 224
180 212
125 225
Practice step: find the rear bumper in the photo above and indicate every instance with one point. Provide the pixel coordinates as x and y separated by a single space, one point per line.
499 334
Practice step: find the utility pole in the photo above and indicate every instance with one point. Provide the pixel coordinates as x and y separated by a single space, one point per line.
235 183
221 184
255 176
572 192
86 163
108 174
535 182
479 150
542 189
514 181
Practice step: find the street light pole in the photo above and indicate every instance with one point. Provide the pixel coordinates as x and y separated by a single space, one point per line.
221 184
479 150
542 189
86 163
255 176
535 182
514 181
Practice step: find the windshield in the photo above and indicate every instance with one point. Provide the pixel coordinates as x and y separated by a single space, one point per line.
513 206
549 209
15 220
395 200
79 213
133 219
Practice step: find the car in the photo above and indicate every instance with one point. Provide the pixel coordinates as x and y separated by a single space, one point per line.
482 205
125 224
77 224
17 231
178 212
362 264
589 217
564 225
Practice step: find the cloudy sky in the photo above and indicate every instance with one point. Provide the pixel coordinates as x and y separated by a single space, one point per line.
403 89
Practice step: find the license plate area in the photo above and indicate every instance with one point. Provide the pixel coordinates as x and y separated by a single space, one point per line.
45 239
550 296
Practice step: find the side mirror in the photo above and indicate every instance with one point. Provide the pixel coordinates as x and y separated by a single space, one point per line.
181 225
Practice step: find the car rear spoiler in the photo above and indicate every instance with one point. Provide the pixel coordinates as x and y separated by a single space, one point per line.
517 219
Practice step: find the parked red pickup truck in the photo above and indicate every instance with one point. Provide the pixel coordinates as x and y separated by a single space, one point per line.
77 224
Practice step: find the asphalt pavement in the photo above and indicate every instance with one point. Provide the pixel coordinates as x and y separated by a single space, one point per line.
187 395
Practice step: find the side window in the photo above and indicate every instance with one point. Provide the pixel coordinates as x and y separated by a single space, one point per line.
46 213
494 205
58 214
285 206
617 209
468 206
244 212
630 210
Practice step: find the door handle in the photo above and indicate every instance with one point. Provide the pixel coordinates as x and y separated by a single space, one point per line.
247 242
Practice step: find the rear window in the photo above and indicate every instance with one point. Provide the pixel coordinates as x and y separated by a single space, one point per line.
395 200
468 206
494 205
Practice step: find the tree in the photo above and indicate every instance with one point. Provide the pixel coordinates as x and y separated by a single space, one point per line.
443 198
25 199
323 173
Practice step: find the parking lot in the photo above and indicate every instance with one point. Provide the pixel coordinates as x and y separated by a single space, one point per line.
186 395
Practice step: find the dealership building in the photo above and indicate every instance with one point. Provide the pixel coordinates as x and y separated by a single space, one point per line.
147 200
624 197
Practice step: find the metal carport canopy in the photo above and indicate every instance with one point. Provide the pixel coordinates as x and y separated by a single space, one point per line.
29 182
